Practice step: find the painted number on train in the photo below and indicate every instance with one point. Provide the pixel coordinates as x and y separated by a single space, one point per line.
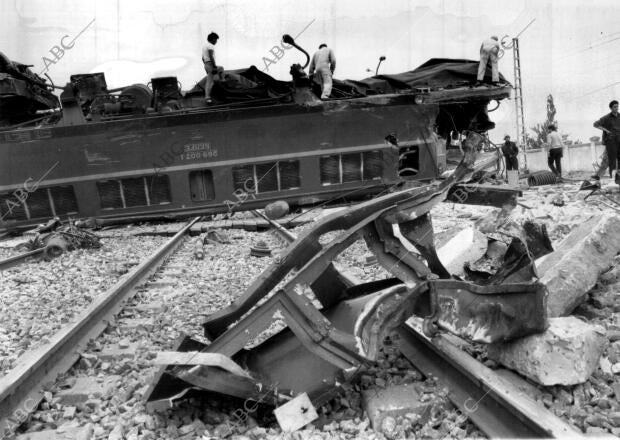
198 151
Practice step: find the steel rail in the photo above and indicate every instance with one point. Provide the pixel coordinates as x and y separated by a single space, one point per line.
17 259
281 230
498 407
21 390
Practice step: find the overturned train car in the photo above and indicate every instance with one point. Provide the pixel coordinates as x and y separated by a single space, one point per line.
158 152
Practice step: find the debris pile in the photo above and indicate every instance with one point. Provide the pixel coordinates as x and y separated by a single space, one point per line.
320 322
55 238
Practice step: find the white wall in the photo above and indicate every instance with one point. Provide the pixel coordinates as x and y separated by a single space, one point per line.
576 158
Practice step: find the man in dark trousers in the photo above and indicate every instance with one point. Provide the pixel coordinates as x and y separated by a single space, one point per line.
511 151
610 124
556 150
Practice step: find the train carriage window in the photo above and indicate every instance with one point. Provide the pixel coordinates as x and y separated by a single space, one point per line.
289 174
110 194
201 185
39 204
158 187
243 177
267 177
11 208
134 192
330 169
351 167
64 200
373 165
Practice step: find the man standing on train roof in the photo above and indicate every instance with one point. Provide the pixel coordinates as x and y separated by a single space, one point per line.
511 151
610 124
489 50
208 58
324 62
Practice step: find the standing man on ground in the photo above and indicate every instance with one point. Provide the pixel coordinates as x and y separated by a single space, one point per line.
324 62
511 152
489 50
555 151
208 58
610 124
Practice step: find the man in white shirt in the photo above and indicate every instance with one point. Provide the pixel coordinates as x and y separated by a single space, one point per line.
324 62
489 50
554 155
208 58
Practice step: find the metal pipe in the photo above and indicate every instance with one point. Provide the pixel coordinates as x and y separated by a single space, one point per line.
286 38
381 59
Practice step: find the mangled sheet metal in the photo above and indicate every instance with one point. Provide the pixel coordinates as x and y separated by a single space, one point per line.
329 327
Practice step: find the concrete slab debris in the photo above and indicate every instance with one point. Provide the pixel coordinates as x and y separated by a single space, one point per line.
393 401
136 324
567 278
566 354
467 246
296 413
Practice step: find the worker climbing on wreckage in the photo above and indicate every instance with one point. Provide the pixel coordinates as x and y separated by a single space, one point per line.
211 68
324 62
489 51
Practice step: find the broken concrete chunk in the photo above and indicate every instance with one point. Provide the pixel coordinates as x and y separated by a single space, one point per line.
566 354
296 413
467 246
573 269
393 401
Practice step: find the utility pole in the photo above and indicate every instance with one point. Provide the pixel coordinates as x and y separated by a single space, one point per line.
519 94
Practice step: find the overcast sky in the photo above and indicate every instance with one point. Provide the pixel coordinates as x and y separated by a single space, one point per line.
572 50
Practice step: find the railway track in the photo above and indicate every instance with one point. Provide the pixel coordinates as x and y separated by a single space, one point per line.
486 399
22 389
496 406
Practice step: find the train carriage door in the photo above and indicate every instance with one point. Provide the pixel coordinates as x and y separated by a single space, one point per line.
201 185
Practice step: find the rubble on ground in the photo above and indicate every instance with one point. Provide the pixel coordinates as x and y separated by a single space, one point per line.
592 406
573 269
567 353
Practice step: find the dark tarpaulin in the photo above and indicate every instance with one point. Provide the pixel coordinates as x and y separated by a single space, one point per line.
437 73
246 84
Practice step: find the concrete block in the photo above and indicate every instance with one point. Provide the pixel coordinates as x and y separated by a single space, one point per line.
573 269
467 246
79 433
136 324
116 353
86 386
566 354
393 401
296 413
